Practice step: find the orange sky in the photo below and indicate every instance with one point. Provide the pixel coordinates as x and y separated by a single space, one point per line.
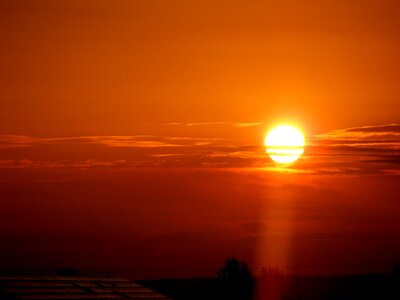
105 67
137 127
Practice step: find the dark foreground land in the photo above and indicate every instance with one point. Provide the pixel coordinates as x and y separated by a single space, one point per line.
334 287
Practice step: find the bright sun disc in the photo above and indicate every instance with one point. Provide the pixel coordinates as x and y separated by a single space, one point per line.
285 144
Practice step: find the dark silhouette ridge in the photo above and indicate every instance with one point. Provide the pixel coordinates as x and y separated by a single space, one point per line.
235 281
333 287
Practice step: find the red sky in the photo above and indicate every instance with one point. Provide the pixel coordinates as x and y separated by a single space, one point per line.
131 135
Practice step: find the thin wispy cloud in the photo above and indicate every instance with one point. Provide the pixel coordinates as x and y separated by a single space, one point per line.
361 150
367 134
127 141
191 124
15 141
139 141
166 155
249 124
237 154
382 137
54 164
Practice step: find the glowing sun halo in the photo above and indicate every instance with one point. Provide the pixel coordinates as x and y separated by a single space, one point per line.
285 144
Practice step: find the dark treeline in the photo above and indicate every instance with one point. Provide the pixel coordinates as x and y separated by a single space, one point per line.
234 280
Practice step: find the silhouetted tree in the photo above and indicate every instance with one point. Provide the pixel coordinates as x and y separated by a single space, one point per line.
235 280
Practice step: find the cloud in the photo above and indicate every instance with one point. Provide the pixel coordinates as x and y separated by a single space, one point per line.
147 151
129 141
194 124
356 150
391 128
386 135
134 141
236 154
249 124
361 150
374 137
138 141
53 164
16 141
235 124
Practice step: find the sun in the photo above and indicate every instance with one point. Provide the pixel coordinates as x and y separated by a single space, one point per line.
285 144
